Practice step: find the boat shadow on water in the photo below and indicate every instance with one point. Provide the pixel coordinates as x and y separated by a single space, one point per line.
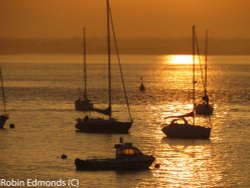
124 178
184 142
185 146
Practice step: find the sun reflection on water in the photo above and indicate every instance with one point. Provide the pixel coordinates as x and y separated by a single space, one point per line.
185 162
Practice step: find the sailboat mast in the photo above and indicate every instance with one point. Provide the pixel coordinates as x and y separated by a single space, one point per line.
84 63
3 92
109 63
206 47
193 43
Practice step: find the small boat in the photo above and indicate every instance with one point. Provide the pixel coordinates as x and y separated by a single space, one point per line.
4 116
84 104
142 87
205 108
127 157
110 125
179 127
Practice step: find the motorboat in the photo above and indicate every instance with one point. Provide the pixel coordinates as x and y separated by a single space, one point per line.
127 157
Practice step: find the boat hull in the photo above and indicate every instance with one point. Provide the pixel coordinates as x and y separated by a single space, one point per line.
186 131
103 126
204 109
135 163
3 119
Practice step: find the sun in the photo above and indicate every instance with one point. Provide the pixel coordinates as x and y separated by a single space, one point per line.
179 59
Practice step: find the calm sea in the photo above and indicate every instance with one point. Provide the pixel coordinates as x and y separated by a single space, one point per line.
41 90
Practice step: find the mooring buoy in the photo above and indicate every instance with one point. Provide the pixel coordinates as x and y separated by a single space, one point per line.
157 165
63 156
12 126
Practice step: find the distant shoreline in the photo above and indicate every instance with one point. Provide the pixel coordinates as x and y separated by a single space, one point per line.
143 46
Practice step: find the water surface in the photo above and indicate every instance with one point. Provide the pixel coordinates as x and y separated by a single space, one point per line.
41 90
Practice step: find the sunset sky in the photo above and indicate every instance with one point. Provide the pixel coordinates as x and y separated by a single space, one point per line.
133 18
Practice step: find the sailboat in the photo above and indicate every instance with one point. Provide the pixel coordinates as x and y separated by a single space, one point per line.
110 125
179 127
4 116
142 87
205 108
84 104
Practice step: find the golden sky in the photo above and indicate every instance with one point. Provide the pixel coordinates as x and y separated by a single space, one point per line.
133 18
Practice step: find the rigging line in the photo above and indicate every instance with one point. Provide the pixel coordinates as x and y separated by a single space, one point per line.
206 49
3 92
193 80
109 60
200 62
120 66
84 63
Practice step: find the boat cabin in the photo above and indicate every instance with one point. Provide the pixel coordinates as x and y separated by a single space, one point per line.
179 120
126 150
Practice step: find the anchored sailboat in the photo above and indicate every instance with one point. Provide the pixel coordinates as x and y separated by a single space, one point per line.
205 108
179 127
4 116
110 125
84 104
